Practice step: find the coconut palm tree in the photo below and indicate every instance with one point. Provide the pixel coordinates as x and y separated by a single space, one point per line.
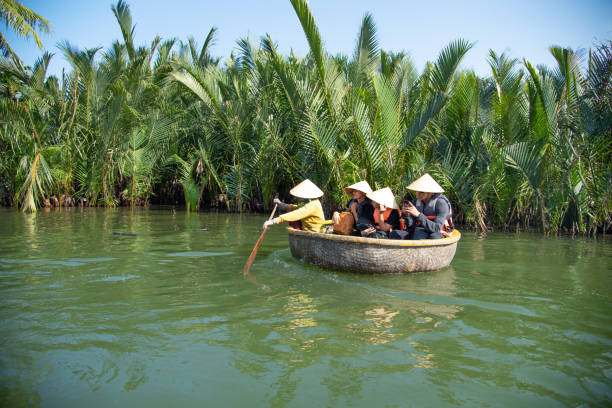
28 131
24 22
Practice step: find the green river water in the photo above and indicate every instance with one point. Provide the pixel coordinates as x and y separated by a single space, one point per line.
166 319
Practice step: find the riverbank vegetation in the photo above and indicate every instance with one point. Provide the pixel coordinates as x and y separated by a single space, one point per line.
168 122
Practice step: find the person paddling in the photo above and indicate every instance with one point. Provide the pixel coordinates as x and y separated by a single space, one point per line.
429 215
309 217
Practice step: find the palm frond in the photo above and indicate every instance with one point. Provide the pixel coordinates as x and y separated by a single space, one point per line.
204 57
546 97
373 149
527 159
447 63
22 20
122 13
202 84
38 179
366 53
389 119
316 45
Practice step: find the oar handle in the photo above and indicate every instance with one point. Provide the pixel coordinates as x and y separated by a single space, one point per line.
273 211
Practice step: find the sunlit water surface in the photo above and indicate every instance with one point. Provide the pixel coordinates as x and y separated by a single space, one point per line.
165 318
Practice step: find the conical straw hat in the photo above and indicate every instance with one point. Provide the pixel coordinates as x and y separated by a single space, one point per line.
425 184
306 189
385 197
362 186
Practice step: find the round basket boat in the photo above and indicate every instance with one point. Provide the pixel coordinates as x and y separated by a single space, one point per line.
368 255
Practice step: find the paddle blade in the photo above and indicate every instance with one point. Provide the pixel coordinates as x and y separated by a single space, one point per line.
254 253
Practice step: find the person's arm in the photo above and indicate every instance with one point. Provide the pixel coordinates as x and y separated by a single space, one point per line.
353 210
384 225
409 220
296 215
437 223
283 206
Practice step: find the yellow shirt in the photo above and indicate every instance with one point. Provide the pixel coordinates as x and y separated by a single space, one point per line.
311 215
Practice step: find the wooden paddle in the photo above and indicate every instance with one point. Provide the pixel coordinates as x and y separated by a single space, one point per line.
254 252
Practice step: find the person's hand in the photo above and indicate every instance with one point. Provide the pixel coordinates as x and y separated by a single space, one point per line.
412 210
382 208
276 201
336 217
368 231
268 223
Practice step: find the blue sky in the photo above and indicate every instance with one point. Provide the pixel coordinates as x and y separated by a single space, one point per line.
524 29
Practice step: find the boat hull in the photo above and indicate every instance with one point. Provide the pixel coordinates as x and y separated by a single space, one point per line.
374 256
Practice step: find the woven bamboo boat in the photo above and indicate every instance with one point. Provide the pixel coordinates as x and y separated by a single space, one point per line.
368 255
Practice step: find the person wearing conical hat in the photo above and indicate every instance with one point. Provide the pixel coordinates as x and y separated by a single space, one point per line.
310 216
429 215
360 206
386 214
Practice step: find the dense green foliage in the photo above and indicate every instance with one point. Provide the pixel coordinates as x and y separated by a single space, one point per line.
526 147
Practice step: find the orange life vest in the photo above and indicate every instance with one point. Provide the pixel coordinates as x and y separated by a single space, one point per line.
385 217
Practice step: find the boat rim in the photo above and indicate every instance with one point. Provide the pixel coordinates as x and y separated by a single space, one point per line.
455 236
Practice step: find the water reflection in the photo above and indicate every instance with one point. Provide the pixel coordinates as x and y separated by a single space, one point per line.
407 307
302 310
424 358
29 231
387 312
477 250
380 329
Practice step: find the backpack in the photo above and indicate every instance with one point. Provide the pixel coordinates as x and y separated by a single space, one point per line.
346 224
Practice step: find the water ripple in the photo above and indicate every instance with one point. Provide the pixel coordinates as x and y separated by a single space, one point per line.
198 254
